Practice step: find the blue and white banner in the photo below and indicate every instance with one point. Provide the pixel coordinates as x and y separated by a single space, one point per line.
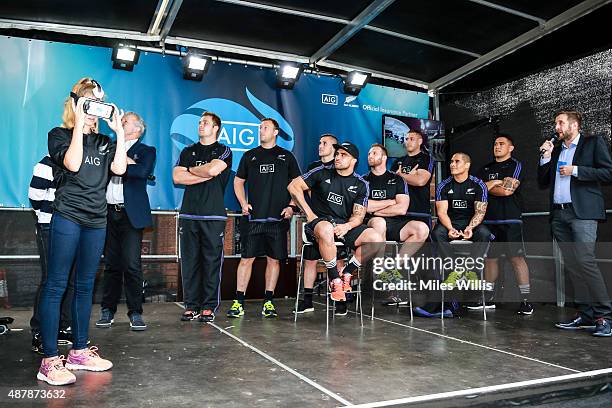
36 77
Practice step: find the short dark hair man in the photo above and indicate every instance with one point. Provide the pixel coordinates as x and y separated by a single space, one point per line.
574 170
503 177
129 213
461 204
416 168
204 168
339 202
311 254
268 169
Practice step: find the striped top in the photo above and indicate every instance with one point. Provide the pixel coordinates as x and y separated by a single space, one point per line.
42 190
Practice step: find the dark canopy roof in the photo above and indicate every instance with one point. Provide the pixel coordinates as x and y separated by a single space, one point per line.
428 44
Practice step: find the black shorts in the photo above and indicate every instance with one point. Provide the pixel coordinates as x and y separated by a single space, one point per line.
263 239
348 240
425 219
508 239
394 226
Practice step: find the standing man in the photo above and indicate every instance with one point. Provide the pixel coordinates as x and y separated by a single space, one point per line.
129 213
416 168
204 168
339 201
41 194
461 204
268 169
574 170
503 177
311 255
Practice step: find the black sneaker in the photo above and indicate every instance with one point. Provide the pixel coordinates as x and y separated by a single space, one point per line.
341 309
37 346
478 305
207 316
189 315
304 307
602 328
577 324
525 308
106 318
136 322
392 301
64 337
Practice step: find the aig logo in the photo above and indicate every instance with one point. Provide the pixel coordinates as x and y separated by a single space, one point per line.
328 99
334 198
379 194
266 168
459 204
493 176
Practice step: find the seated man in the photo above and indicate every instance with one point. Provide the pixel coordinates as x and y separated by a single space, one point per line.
388 203
461 204
339 200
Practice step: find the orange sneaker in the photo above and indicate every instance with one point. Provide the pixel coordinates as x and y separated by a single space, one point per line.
337 291
54 372
346 282
87 360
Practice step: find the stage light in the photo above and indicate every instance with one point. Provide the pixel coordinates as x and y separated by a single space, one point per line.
287 74
355 81
125 57
195 66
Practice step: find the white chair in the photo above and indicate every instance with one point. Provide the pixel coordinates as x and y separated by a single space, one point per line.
461 247
397 246
358 301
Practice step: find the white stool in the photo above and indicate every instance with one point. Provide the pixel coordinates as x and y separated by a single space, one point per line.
358 301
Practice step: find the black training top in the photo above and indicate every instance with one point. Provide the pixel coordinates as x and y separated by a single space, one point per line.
333 195
318 163
204 201
502 209
419 195
386 187
81 195
461 198
268 173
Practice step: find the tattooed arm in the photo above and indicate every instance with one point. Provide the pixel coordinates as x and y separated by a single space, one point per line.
356 220
296 188
507 187
480 209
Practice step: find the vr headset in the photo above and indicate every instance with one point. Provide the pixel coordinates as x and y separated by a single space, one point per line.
94 107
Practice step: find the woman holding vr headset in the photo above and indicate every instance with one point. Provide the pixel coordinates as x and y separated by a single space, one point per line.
85 159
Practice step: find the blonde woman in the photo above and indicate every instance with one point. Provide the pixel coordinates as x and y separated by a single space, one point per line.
84 159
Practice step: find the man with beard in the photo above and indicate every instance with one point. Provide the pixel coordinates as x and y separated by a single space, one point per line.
574 170
339 201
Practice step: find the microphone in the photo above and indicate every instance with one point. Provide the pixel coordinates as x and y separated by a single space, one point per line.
552 140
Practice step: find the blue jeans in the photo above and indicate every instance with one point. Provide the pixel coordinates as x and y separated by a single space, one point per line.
69 242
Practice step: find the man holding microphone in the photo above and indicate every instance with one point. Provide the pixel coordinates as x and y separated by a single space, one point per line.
574 170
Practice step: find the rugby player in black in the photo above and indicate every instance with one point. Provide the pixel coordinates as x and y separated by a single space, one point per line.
416 168
204 168
461 204
388 204
311 254
503 177
339 201
268 169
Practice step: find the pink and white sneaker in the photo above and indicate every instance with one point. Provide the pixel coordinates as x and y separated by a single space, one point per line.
55 373
346 282
87 360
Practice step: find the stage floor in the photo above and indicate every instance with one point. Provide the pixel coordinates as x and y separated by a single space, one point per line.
260 362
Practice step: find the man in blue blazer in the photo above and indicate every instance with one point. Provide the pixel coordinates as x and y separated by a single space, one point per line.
574 170
129 212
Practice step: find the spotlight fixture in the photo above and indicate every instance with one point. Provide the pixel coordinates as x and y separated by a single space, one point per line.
355 81
125 57
287 74
195 66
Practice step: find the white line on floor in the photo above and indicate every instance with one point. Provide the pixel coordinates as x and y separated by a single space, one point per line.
467 342
475 392
281 365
